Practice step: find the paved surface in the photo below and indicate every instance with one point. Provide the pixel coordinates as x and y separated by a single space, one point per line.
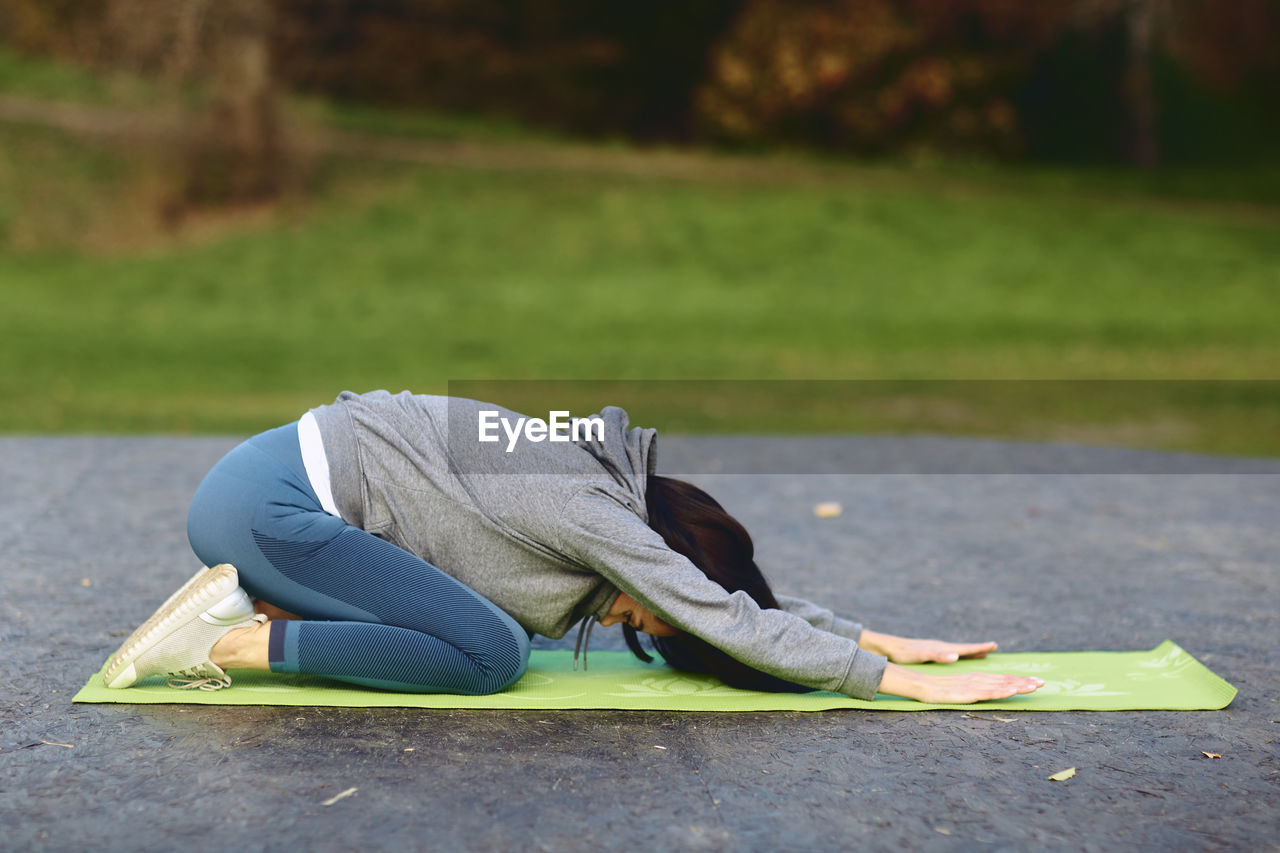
937 538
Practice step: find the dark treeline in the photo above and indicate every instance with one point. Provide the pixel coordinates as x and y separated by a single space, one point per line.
1138 81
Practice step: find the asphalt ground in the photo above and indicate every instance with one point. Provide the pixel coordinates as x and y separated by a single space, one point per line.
1039 547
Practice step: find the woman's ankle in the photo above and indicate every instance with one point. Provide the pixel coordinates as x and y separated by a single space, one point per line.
243 648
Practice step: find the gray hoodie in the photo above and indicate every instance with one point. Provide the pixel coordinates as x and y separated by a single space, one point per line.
551 531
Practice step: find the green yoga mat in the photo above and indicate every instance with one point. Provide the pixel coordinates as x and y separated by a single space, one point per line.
1165 678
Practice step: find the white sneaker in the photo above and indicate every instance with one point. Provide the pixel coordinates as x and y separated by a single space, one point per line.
182 590
177 639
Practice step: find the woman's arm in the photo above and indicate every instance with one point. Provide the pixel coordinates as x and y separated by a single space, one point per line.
819 617
957 688
601 534
896 649
939 688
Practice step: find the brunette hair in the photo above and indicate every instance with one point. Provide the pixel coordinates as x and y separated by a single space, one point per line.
693 524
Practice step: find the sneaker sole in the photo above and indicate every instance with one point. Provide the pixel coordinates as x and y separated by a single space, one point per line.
207 588
182 590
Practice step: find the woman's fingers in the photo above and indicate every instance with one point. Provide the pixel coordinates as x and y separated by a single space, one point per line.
963 688
1017 684
910 650
905 650
1012 685
940 652
975 650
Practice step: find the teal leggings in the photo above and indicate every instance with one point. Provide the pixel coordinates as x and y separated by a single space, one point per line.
371 612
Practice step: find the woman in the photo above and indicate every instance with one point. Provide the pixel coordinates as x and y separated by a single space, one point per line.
389 544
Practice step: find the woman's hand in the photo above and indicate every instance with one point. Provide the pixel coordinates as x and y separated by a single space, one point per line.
958 688
908 650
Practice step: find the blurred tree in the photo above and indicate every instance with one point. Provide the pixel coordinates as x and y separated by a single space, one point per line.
585 65
874 75
233 148
1141 23
218 50
1219 80
1142 17
50 26
1087 79
1115 80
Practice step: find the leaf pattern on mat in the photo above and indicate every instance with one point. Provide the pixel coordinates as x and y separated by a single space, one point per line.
676 685
1068 687
1171 664
1026 666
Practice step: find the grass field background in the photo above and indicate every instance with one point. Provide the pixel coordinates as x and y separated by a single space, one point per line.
388 273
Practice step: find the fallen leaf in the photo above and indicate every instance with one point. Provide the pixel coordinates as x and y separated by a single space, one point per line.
1211 754
45 743
337 797
992 718
829 509
942 830
85 582
1063 775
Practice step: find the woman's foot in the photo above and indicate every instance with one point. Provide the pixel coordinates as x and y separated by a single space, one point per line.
271 611
178 638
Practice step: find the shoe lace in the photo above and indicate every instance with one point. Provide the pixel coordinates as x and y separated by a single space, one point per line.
193 679
191 682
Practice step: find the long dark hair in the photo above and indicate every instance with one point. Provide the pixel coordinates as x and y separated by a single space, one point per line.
694 524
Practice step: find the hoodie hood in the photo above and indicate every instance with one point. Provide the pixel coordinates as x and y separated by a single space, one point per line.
627 454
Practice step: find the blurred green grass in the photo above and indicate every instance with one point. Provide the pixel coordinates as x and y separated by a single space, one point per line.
26 75
403 276
41 77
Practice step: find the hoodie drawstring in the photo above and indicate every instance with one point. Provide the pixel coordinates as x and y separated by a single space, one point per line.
587 623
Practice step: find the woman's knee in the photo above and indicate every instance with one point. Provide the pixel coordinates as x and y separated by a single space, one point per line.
218 517
507 661
205 523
